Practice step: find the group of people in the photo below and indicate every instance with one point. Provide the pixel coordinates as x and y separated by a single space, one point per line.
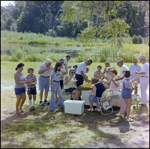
70 79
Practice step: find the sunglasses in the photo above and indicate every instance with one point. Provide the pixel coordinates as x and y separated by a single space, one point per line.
72 72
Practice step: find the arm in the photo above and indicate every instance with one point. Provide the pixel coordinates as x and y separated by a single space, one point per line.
138 75
104 71
51 83
84 76
140 72
18 82
116 83
94 91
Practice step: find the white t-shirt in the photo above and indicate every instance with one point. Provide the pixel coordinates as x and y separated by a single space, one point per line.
46 73
56 75
65 62
123 68
81 67
145 69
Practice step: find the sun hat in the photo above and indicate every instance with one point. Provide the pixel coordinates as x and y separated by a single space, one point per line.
142 57
119 59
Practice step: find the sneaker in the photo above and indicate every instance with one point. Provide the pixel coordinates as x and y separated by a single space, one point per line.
97 110
41 103
129 120
45 101
90 109
118 114
122 116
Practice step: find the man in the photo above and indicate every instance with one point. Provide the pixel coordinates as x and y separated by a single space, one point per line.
44 79
121 64
134 67
81 70
144 80
66 59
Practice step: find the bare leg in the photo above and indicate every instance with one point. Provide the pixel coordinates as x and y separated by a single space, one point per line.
91 104
76 94
18 102
41 95
34 97
129 107
23 96
98 106
46 93
125 108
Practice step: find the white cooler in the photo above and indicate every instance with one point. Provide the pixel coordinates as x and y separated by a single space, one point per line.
74 106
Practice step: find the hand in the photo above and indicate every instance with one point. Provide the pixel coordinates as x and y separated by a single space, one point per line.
26 81
88 81
70 66
47 69
136 72
138 75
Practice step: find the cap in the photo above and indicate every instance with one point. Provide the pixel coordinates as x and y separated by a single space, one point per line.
142 57
119 59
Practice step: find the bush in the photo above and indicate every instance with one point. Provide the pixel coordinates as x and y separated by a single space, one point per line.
34 58
51 33
135 40
5 58
140 39
14 58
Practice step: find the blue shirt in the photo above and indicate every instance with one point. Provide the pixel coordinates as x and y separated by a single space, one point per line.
132 69
56 75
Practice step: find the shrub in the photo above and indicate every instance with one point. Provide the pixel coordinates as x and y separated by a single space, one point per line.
135 40
140 39
14 58
51 33
34 58
5 58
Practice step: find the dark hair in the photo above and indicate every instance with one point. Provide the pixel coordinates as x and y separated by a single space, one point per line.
19 65
30 68
113 71
58 64
99 66
107 62
68 55
61 59
127 74
90 61
75 66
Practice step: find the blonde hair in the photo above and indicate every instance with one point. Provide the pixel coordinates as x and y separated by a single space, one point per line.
48 61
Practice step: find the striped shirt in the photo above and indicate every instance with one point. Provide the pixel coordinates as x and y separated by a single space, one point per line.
34 79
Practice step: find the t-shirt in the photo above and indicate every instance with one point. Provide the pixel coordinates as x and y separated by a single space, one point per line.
132 69
56 75
114 88
123 68
33 78
81 67
46 73
99 74
145 69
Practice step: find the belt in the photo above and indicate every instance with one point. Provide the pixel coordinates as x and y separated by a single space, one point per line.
56 81
144 76
45 76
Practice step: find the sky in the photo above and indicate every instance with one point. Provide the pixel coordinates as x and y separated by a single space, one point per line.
5 3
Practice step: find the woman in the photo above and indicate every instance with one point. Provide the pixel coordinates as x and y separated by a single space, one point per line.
97 90
68 84
98 74
20 82
55 86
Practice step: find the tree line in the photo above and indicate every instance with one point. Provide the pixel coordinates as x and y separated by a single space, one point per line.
73 18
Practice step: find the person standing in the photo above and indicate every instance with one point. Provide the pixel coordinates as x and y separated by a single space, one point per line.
66 59
144 79
31 87
121 64
55 86
20 87
81 72
44 79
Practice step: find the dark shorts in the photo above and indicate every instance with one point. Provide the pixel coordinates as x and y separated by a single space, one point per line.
61 83
33 91
70 89
19 91
80 79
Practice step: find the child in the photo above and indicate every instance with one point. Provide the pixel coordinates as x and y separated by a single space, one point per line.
126 94
55 86
97 91
98 74
106 70
75 67
31 87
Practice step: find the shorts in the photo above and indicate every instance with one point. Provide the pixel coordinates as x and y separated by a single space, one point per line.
61 83
80 80
33 91
44 83
126 94
92 98
19 91
70 90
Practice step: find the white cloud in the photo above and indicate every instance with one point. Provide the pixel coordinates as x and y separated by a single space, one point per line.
5 3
